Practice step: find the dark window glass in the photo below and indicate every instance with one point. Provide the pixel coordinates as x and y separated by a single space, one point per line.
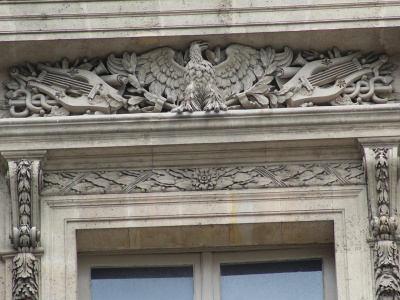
300 280
144 283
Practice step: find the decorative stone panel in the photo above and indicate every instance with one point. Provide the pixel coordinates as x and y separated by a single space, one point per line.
381 163
24 178
192 179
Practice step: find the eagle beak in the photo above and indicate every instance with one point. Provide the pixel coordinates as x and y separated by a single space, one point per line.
203 46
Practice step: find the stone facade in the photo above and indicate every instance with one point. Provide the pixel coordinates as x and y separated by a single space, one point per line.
137 127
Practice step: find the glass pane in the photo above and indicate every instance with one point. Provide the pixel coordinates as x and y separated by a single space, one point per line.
147 283
300 280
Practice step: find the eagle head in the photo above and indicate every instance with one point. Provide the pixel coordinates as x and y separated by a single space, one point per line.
199 45
195 50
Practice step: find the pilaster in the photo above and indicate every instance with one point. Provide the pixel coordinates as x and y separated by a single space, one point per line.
24 179
381 165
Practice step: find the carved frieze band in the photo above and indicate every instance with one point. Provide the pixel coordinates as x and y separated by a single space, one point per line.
192 179
25 235
165 79
381 168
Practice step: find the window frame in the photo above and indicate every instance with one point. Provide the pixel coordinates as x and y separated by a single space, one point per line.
206 266
326 254
87 262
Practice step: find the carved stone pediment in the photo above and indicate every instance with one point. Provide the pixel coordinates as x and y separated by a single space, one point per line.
164 79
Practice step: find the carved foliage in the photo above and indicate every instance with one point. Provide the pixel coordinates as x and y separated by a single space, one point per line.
382 225
25 275
387 270
221 178
381 176
25 238
204 179
164 79
24 192
387 281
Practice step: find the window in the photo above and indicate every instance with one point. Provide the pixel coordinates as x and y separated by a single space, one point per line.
168 283
120 272
296 273
301 280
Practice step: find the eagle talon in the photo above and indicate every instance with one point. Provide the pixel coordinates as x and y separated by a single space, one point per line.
215 105
209 108
182 108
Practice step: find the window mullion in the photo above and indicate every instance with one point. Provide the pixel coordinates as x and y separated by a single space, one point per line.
207 284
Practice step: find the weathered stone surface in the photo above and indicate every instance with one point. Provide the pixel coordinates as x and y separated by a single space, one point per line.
267 200
192 237
164 79
104 19
382 170
228 178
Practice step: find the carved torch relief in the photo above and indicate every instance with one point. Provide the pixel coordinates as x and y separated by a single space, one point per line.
164 79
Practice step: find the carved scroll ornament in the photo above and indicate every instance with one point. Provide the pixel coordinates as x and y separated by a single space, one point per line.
25 238
384 223
164 79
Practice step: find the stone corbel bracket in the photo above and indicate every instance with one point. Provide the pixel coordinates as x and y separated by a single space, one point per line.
24 178
381 164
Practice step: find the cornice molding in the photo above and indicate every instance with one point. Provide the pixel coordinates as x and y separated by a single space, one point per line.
353 3
192 197
223 10
54 13
325 24
94 131
22 154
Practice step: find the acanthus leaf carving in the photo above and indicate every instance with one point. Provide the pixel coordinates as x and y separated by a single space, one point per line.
383 224
387 270
162 80
25 275
25 237
380 163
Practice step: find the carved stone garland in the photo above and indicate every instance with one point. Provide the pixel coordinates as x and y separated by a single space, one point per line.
25 237
383 228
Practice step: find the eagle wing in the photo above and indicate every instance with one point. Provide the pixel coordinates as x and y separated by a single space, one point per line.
239 71
161 73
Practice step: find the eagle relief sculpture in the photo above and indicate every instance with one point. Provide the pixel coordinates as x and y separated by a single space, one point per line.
167 80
